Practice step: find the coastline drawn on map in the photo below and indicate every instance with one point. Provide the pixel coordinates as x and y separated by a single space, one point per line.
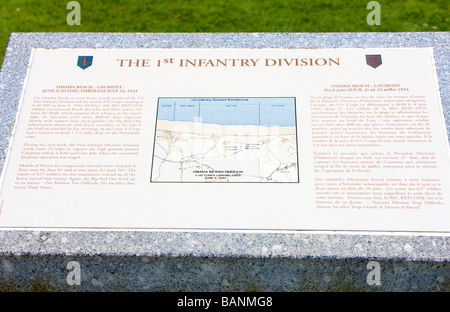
225 140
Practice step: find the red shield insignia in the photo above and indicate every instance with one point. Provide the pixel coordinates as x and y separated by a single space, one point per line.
84 61
373 60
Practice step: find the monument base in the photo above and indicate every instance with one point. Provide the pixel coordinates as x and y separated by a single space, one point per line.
217 261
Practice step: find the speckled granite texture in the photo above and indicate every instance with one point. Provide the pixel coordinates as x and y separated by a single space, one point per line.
202 260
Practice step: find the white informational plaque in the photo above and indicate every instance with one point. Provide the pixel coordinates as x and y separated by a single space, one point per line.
229 139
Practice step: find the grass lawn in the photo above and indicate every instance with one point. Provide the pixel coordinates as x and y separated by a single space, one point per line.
221 16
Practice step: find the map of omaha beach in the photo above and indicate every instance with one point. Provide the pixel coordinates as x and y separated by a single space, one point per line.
225 140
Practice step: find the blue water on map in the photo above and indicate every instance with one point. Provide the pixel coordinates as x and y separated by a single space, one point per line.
229 111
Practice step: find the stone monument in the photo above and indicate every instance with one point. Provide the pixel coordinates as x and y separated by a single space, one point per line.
225 162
